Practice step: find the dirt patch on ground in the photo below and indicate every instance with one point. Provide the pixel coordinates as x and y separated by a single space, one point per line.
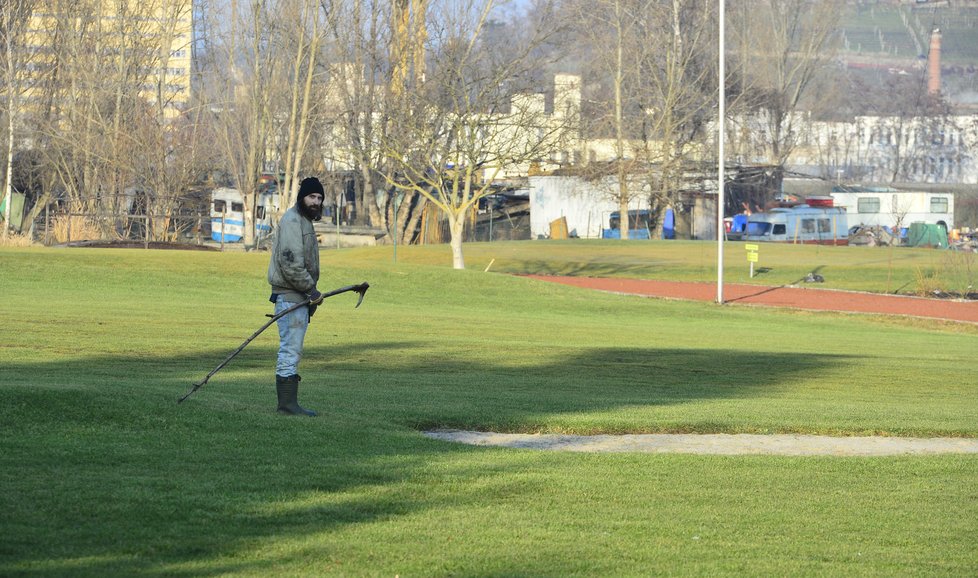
784 296
141 245
717 444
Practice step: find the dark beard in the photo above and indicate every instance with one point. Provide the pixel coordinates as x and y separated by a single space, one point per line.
310 213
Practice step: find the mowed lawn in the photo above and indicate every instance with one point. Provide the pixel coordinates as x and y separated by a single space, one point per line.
103 473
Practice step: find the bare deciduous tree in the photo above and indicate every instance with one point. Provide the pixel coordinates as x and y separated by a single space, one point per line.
662 76
269 109
14 16
103 104
305 92
366 46
780 46
680 80
614 23
454 134
242 107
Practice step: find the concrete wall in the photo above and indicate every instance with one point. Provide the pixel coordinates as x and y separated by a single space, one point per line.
702 219
586 205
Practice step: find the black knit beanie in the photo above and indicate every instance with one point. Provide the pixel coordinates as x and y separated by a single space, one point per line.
308 186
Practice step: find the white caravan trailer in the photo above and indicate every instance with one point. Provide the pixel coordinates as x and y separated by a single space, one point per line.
895 209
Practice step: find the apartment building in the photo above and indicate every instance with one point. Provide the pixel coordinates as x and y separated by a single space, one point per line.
107 47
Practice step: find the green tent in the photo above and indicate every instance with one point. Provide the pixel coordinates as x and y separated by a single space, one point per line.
924 235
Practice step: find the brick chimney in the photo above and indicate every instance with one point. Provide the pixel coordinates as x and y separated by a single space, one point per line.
934 63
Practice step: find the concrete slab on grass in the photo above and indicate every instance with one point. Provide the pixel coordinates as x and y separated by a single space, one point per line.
719 444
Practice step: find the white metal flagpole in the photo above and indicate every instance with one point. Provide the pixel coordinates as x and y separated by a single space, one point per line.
721 159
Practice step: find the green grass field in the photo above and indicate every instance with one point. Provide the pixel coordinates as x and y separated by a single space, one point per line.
103 473
897 270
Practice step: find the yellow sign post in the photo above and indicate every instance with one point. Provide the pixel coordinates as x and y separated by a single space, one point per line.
752 253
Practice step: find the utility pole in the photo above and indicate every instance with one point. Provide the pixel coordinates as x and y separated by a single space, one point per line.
721 176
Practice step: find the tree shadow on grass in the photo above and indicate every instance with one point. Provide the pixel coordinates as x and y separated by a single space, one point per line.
500 394
104 474
578 268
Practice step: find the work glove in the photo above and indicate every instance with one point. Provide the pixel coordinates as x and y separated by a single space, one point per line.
315 298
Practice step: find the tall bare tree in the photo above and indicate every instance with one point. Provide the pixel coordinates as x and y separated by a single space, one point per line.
454 134
659 66
104 102
680 79
612 37
242 107
14 17
370 63
780 46
305 84
268 110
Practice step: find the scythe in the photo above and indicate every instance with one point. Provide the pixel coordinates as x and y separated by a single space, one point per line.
361 289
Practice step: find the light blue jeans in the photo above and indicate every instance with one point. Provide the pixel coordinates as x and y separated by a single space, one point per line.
291 333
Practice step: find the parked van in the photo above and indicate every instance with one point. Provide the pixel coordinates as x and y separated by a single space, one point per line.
800 224
639 225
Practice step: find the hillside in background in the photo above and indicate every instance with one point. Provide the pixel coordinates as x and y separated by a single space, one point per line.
885 40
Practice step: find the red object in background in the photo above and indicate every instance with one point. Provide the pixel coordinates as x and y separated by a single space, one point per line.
819 202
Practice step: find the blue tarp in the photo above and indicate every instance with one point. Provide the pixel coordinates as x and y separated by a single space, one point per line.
669 225
739 224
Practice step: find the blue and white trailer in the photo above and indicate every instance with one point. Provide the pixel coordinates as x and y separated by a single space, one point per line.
227 214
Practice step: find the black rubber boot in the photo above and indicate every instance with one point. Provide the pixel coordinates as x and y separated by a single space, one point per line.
288 394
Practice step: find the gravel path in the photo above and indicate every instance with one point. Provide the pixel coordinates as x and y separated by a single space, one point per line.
720 444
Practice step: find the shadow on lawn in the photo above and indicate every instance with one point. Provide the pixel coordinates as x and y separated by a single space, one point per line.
105 474
500 391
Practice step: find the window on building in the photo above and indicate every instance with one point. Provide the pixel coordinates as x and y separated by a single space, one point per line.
868 205
938 204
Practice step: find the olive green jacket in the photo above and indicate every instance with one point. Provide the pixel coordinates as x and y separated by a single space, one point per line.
293 270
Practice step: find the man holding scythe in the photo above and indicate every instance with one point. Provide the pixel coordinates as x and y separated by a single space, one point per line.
293 273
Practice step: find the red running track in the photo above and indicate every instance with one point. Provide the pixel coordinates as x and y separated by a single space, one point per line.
783 296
